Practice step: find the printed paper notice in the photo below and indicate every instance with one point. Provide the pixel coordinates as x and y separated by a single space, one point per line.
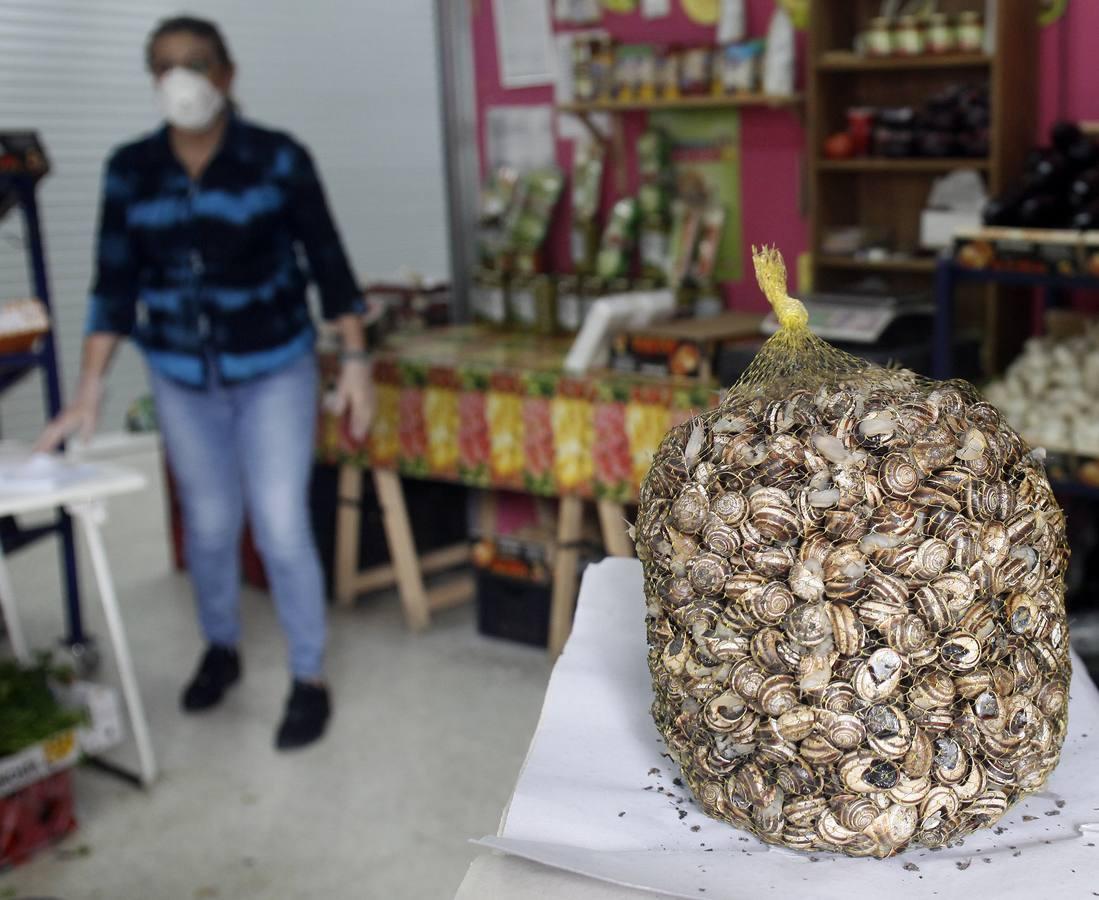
524 42
520 137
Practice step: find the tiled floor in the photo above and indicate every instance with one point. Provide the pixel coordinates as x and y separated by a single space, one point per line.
429 733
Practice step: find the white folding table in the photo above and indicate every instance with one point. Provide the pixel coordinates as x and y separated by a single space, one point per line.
85 500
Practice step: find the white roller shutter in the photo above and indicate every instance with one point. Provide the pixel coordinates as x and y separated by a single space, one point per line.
355 80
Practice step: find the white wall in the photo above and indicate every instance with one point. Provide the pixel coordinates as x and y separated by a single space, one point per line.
355 80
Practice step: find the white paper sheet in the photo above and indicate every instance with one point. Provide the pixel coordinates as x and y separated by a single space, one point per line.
524 42
521 136
655 9
589 801
42 472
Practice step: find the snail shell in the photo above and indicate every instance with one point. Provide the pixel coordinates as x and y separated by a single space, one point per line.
861 773
847 632
739 583
960 651
951 761
910 791
722 539
988 807
815 671
1022 613
833 833
707 573
892 830
931 558
898 475
888 731
769 603
932 606
845 731
747 678
724 711
906 634
896 517
796 722
934 688
817 751
802 808
854 812
994 543
844 570
918 760
807 580
777 523
776 695
731 508
770 562
808 624
877 677
690 509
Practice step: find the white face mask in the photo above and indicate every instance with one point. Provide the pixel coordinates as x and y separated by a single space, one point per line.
189 100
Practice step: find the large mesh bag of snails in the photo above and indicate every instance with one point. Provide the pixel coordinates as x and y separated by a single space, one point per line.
855 601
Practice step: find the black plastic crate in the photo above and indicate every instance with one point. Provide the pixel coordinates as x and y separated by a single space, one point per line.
513 609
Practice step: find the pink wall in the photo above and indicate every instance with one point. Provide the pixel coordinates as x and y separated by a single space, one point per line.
772 141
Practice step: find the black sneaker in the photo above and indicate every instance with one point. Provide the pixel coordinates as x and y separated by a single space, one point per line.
219 669
307 712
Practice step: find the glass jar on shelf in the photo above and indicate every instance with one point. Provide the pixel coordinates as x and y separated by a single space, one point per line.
971 32
941 35
878 40
908 39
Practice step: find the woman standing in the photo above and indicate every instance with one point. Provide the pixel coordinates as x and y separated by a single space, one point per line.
198 261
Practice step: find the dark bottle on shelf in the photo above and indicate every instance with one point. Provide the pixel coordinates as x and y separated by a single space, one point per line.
1085 187
1004 209
1064 134
1041 211
1087 219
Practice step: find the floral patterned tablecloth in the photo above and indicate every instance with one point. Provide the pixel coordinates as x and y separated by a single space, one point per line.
496 410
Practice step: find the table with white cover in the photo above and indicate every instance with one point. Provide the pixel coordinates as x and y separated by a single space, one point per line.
597 814
81 489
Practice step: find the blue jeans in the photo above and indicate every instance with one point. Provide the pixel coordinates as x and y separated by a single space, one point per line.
249 445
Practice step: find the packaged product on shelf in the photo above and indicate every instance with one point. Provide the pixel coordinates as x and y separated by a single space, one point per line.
779 56
971 32
686 221
646 73
696 67
488 299
738 68
584 81
603 67
667 73
652 154
498 195
569 307
709 242
653 244
522 306
540 192
545 304
625 73
618 237
587 179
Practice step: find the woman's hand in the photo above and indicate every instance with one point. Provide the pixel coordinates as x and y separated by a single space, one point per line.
81 417
355 396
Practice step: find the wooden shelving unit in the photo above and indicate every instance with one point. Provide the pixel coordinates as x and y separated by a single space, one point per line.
699 102
916 264
886 194
917 164
846 61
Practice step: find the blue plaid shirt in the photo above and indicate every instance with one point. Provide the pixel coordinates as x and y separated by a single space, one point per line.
208 272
